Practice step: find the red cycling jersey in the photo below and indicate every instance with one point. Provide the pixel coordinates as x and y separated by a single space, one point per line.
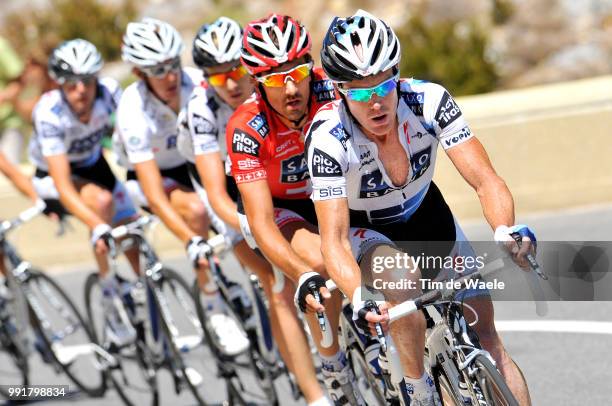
262 147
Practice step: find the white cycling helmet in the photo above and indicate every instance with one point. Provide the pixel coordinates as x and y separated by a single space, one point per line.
74 58
150 42
217 43
359 46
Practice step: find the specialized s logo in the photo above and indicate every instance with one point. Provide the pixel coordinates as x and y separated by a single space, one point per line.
448 111
323 165
259 124
294 169
324 90
202 125
415 101
243 143
464 134
340 134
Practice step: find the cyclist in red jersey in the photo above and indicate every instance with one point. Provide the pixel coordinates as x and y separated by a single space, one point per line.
265 144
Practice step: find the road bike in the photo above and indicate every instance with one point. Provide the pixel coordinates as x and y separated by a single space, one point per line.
463 372
61 335
159 306
257 375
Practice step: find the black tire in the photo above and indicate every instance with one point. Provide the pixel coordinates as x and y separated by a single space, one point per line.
14 367
135 375
492 384
448 395
182 359
249 374
82 371
367 384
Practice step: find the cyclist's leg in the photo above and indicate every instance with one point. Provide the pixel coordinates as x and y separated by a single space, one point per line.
291 338
189 206
124 212
286 327
100 201
305 241
480 301
397 283
408 332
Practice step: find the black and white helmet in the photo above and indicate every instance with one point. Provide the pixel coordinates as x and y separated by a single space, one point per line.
150 42
74 58
217 43
359 46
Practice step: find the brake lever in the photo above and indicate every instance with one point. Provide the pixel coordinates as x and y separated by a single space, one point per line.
371 306
532 261
312 287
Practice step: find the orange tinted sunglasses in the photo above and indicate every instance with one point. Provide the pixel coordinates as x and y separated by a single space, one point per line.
219 79
279 79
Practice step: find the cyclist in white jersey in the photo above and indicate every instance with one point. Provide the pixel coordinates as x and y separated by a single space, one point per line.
371 157
69 123
147 131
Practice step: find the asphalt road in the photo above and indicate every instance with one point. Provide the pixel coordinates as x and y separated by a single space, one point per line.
565 363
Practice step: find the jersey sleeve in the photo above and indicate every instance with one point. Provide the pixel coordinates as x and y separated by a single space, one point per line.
48 130
133 128
327 157
202 125
245 148
444 115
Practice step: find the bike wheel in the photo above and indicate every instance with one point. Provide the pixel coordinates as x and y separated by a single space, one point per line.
134 375
368 385
448 392
64 333
184 334
249 376
14 344
492 384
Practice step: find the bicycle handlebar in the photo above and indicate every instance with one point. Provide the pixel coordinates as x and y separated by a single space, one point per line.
23 217
133 227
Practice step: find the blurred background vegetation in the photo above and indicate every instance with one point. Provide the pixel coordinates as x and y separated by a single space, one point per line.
469 46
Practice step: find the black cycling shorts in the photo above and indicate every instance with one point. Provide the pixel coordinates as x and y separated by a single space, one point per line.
230 183
180 174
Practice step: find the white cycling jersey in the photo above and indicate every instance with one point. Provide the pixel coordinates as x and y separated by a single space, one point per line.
344 163
58 131
146 127
202 124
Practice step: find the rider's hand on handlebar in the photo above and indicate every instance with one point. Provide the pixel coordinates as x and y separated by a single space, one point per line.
100 236
365 319
506 235
309 283
196 251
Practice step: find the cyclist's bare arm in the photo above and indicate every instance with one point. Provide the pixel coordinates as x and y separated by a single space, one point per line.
210 169
259 209
21 181
150 180
59 169
333 217
472 162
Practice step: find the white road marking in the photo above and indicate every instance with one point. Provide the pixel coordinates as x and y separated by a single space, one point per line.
555 326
